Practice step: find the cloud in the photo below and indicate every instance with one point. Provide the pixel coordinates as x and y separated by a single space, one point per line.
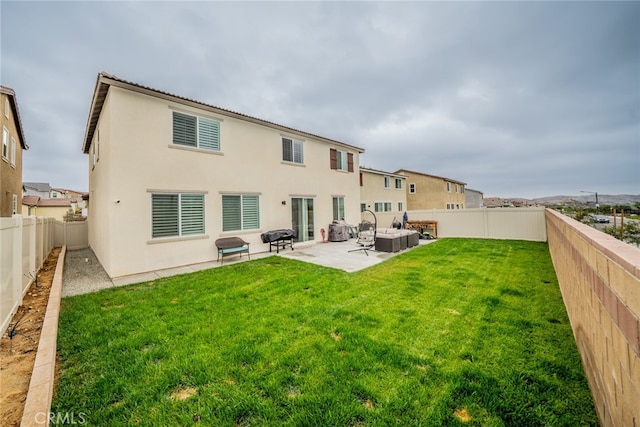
516 99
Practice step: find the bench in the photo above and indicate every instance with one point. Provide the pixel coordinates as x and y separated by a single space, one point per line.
230 246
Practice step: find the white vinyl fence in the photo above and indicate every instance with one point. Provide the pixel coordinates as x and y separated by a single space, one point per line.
494 223
25 243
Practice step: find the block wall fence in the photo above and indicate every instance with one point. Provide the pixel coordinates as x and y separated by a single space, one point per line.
599 278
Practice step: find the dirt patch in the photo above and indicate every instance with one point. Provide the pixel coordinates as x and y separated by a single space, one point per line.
183 393
463 415
17 355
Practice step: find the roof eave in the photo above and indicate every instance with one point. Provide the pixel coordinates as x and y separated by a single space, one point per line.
105 80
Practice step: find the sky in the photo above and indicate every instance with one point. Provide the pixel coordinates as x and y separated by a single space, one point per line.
516 99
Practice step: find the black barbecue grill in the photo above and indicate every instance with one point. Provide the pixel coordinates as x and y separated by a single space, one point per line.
279 238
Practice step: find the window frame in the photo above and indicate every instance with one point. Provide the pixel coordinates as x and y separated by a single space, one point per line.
412 188
398 183
387 181
183 216
340 208
5 143
12 151
297 155
385 206
198 132
242 207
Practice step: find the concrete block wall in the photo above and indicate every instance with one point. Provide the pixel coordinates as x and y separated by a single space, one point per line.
599 278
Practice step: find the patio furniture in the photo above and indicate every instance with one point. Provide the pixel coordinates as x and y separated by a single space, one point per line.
428 228
229 246
279 238
338 232
367 234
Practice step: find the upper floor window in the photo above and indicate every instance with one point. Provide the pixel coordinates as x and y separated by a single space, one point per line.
6 107
448 187
14 147
457 188
240 212
412 188
196 132
5 143
174 215
342 160
399 183
387 182
292 150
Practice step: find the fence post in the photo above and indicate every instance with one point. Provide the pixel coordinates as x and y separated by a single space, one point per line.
16 273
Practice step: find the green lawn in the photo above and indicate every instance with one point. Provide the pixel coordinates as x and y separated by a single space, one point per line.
458 332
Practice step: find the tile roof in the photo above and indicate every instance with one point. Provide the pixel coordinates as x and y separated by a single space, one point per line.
399 171
38 186
105 80
379 172
30 200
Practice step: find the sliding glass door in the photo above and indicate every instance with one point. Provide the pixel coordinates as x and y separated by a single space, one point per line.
302 218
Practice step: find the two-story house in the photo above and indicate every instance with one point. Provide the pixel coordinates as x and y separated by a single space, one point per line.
13 144
170 175
383 193
426 191
40 189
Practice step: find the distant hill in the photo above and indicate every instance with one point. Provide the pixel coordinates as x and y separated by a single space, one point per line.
603 199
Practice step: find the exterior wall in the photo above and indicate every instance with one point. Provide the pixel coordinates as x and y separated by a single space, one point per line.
599 278
136 158
55 212
431 192
473 199
373 190
10 175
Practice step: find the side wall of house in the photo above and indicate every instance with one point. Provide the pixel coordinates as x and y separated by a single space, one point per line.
10 174
142 160
101 200
599 277
431 192
373 190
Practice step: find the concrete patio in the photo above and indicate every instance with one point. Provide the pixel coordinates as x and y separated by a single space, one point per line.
84 274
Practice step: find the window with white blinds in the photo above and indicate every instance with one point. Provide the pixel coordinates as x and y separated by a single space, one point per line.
240 212
175 215
196 132
292 150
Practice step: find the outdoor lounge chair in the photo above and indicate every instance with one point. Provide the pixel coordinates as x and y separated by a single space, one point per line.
367 235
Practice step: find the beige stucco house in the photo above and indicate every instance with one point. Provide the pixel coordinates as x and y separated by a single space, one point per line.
426 191
52 208
169 175
383 193
13 144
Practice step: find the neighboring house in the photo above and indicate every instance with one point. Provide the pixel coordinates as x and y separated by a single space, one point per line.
40 189
382 192
169 175
426 191
496 202
13 145
52 208
473 198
